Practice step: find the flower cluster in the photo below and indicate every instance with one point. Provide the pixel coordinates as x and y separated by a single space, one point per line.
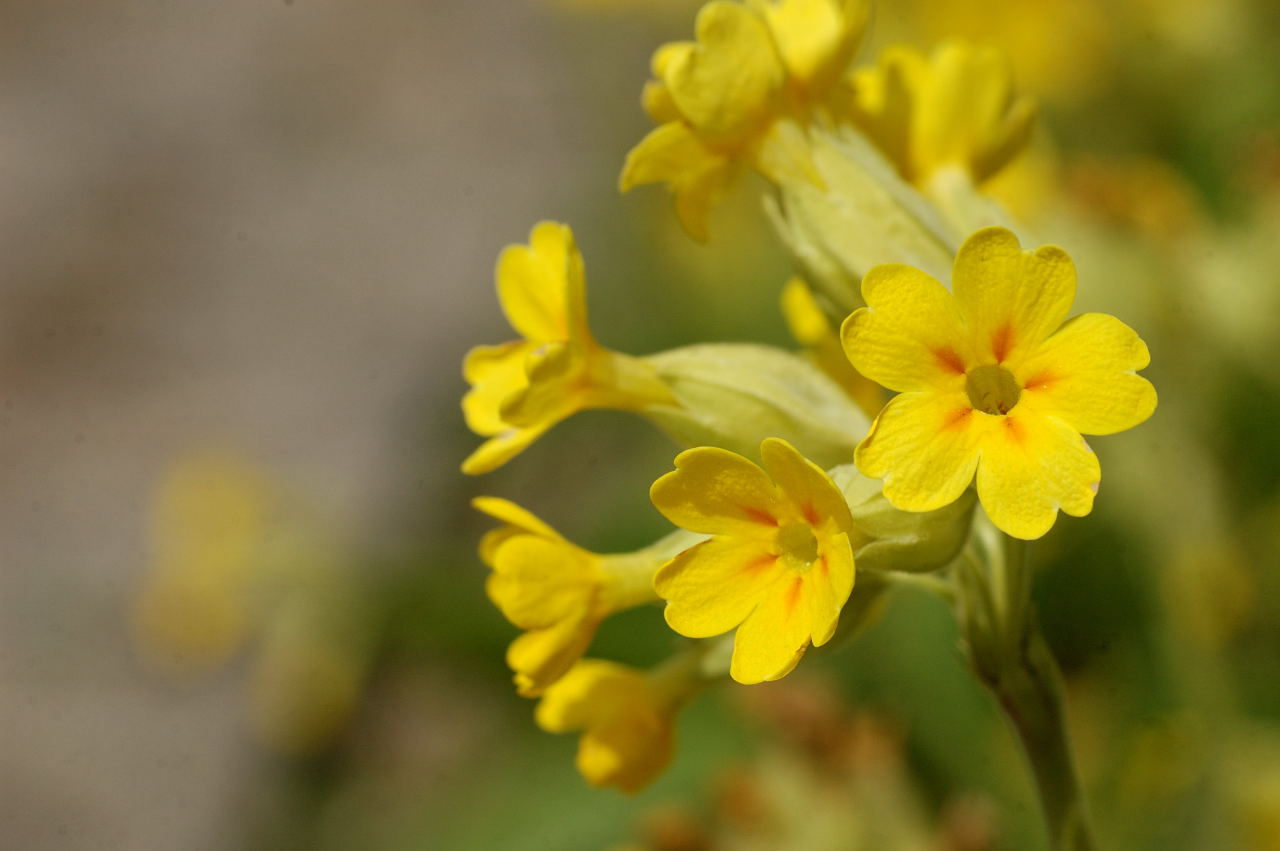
795 512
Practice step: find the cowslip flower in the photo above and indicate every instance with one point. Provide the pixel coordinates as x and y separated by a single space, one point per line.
953 110
779 566
741 94
626 715
556 591
522 388
992 381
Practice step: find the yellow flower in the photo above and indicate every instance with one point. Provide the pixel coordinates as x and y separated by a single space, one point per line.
556 591
522 388
740 94
955 109
626 715
779 566
992 381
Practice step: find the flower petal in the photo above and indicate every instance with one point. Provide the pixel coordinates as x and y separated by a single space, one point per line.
1084 374
830 582
925 447
540 657
805 485
673 154
508 512
501 448
726 83
910 335
775 635
541 285
1011 299
715 491
1031 466
538 581
710 588
495 373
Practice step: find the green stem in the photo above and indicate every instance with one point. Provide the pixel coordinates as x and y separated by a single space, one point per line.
1029 688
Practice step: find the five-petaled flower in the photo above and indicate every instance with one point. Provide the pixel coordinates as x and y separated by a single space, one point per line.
992 381
779 566
741 94
556 591
626 715
524 387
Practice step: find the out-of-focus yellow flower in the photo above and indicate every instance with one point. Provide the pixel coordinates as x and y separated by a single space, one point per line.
522 388
811 329
955 109
740 95
992 381
626 715
779 566
556 591
210 520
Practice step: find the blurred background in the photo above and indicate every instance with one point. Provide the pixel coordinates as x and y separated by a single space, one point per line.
246 247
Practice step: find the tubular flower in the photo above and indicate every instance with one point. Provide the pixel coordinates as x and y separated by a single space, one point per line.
522 388
557 592
740 94
626 715
779 566
991 380
955 109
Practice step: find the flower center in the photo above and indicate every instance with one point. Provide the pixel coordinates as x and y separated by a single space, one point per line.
797 544
992 389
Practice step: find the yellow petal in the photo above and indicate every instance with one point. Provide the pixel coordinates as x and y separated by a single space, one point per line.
540 657
1084 374
715 491
673 154
552 373
541 285
886 99
803 483
726 84
816 38
775 635
501 448
1011 299
925 447
910 335
628 753
518 522
710 588
508 512
830 582
1031 466
539 581
495 373
580 694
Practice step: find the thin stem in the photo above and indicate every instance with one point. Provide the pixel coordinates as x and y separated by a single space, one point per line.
1029 688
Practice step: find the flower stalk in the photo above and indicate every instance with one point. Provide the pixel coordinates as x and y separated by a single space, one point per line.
1010 656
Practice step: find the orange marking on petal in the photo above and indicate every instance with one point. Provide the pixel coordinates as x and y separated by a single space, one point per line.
793 594
957 418
759 515
1015 431
822 566
811 514
760 563
1002 342
948 358
1040 381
